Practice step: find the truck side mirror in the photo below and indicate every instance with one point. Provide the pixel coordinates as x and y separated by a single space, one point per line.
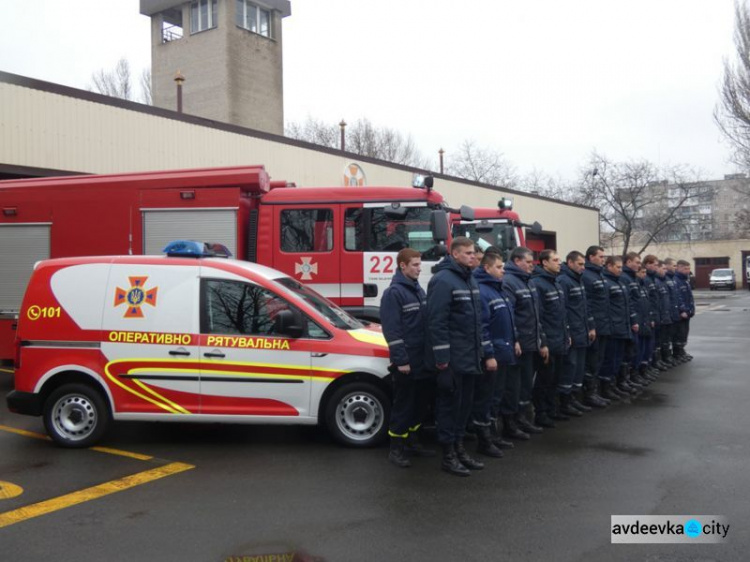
439 225
289 323
536 228
467 213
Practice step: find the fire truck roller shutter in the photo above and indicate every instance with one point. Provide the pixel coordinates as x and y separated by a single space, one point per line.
205 225
21 246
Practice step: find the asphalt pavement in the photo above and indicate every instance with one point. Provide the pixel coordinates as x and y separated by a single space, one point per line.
249 493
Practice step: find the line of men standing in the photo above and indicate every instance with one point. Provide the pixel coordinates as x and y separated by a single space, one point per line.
507 350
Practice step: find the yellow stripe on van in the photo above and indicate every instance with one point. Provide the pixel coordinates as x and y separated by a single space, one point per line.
368 336
178 409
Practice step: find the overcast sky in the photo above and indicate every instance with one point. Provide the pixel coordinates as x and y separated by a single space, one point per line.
543 81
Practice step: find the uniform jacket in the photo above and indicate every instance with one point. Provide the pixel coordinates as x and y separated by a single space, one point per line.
552 312
498 327
403 315
653 296
597 298
644 307
524 300
687 304
454 319
665 316
619 309
580 320
674 297
634 293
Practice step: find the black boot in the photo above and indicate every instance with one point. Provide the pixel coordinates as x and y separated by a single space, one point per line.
511 431
577 404
608 392
591 396
486 446
396 454
464 458
450 462
543 420
497 437
567 408
557 413
414 448
525 425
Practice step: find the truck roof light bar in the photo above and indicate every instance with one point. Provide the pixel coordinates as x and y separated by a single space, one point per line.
195 249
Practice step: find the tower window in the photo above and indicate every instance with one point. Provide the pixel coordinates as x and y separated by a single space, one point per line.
252 17
202 15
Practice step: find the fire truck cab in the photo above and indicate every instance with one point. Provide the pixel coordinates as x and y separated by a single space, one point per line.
190 337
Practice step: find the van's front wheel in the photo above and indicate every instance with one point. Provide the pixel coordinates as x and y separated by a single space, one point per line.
75 416
357 415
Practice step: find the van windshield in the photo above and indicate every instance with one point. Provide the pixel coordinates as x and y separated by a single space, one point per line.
336 316
722 272
502 235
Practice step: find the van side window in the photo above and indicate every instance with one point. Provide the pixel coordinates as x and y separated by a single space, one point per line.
353 230
306 230
233 307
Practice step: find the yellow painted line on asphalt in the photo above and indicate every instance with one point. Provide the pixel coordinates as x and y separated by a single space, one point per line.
107 450
111 451
68 500
23 432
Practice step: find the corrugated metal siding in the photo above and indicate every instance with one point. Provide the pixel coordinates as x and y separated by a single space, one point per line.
21 246
161 227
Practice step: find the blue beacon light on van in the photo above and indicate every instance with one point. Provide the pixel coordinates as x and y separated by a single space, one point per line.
195 249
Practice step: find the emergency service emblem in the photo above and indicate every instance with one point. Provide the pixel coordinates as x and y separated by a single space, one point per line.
306 268
135 297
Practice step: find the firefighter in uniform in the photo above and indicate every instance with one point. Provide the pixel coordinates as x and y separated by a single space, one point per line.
687 309
651 263
622 326
629 374
524 300
500 351
454 350
665 319
580 323
404 325
645 330
598 301
674 307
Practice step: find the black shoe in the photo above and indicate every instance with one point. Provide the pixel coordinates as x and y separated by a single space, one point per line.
527 426
511 431
595 401
567 408
396 453
450 462
621 393
414 448
497 439
486 447
639 380
608 392
688 357
464 458
578 405
662 366
543 420
557 415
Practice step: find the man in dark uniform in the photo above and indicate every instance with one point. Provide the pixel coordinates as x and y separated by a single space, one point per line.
645 330
621 330
651 263
665 318
454 350
550 381
628 375
500 351
598 302
404 326
524 301
675 310
687 309
580 324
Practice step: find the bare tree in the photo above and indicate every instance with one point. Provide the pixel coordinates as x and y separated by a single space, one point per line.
638 201
363 138
118 83
540 183
732 113
484 165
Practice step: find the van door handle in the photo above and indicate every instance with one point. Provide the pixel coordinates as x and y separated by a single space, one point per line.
178 352
210 354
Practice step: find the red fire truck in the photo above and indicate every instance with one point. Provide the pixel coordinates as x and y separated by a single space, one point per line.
500 227
342 241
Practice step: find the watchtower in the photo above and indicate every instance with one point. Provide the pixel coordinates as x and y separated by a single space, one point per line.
230 53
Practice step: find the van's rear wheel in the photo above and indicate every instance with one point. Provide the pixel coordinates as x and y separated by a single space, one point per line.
75 416
357 415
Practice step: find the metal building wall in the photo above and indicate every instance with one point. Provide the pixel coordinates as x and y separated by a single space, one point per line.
68 129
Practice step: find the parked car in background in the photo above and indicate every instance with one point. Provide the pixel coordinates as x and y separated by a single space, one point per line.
722 278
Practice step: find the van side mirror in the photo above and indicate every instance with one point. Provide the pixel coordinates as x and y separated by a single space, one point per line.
536 228
289 323
439 225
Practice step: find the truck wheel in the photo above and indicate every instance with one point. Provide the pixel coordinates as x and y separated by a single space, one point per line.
75 416
357 415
